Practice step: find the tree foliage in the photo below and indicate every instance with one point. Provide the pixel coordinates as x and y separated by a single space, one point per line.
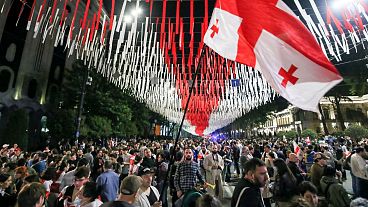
107 109
309 133
291 134
356 132
16 129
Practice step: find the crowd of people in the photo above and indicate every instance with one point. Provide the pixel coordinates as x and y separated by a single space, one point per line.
137 172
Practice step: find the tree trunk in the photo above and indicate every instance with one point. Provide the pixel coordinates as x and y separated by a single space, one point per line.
340 118
325 129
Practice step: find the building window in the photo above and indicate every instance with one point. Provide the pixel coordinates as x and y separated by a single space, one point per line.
5 77
32 89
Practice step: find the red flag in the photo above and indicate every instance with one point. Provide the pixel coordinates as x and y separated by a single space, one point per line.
267 35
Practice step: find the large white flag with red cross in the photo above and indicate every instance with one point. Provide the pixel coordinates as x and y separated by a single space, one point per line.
267 35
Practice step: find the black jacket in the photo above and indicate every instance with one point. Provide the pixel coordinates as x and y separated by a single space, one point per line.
248 195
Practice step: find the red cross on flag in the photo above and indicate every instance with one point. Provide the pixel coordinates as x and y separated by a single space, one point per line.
267 35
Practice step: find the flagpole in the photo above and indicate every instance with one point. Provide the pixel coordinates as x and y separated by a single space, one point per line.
172 154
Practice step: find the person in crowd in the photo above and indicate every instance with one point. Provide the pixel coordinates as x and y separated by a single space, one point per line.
108 183
148 160
236 156
333 191
40 166
245 156
125 158
161 174
317 169
147 195
68 178
309 192
202 153
285 185
187 174
7 191
31 195
247 192
293 165
128 191
89 156
89 195
359 168
20 174
226 155
214 164
267 151
69 195
173 193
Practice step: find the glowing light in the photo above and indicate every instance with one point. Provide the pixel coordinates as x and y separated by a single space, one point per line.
128 19
136 12
340 4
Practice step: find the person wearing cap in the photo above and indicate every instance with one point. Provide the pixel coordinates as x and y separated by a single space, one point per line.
108 182
128 191
147 195
317 169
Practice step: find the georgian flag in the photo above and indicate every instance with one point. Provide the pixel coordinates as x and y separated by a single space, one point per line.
267 35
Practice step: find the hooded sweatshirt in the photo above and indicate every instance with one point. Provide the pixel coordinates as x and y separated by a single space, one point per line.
336 195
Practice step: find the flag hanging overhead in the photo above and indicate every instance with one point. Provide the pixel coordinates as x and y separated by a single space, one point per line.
267 35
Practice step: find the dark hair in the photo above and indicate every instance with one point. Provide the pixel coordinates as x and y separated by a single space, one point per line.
252 164
359 149
108 164
272 154
30 194
21 162
82 162
179 155
90 190
82 172
307 186
62 165
329 171
32 179
282 168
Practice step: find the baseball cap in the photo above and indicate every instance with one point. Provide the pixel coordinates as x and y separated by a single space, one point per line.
145 171
130 185
5 145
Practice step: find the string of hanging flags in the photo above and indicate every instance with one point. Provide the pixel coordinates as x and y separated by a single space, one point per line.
154 57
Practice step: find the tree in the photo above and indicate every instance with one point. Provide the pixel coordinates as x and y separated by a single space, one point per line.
291 134
280 134
356 132
309 133
16 129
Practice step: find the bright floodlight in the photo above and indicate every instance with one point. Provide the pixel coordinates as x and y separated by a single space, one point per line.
128 19
340 4
136 12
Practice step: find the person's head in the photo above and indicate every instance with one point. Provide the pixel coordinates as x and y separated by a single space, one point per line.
160 157
81 176
360 151
214 149
203 147
188 154
320 158
179 156
255 170
82 162
282 168
359 202
89 192
147 153
293 158
147 177
31 179
267 148
129 188
245 150
309 192
5 181
21 172
329 171
107 165
208 200
32 195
